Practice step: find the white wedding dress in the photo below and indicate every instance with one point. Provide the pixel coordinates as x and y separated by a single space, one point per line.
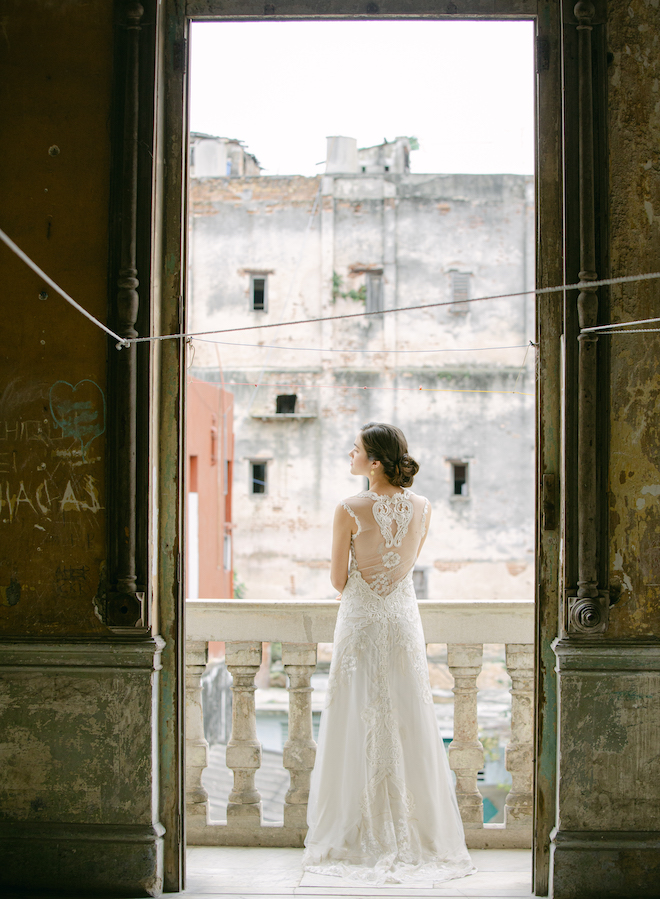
382 806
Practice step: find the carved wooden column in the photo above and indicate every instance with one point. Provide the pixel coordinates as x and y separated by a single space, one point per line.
196 745
299 660
124 605
518 809
244 749
466 754
588 611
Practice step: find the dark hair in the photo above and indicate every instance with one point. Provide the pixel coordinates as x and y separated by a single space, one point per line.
387 445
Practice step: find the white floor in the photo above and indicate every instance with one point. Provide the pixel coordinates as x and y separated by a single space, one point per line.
243 873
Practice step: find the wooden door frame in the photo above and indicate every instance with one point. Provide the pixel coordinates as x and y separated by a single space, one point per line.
171 225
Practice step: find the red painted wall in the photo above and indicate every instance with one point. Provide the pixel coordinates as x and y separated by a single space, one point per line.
210 450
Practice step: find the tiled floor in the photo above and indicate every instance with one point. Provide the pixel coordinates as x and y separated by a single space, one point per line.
226 873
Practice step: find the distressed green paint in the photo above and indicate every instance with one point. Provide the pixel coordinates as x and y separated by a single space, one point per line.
547 766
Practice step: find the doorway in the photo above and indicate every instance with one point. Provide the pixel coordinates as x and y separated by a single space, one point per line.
176 88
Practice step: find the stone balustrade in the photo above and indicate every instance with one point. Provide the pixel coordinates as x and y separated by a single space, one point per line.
300 625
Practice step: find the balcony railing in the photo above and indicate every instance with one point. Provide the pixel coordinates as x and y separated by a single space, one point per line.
300 625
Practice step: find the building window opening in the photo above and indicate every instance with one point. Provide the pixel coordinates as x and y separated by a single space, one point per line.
257 477
420 582
286 404
374 292
258 294
460 292
460 478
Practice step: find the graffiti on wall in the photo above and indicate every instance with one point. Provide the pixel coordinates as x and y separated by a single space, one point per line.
51 489
54 481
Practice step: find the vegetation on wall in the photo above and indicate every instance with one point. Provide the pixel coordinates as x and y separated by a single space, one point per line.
338 282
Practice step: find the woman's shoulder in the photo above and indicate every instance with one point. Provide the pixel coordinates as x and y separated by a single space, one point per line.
358 504
357 500
419 499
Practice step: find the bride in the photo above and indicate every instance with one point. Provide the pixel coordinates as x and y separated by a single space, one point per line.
382 806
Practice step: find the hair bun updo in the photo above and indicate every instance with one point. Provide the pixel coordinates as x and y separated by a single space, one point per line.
386 444
407 468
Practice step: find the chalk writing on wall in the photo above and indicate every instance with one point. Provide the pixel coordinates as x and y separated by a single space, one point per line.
78 410
51 501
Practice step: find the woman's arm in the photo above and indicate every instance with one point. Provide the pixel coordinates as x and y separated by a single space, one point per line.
341 546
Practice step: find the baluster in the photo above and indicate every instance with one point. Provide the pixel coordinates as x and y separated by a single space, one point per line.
518 809
196 745
243 750
299 660
466 754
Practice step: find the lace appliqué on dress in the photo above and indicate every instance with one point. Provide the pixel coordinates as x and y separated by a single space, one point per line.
393 510
389 829
347 662
391 560
380 583
426 508
345 506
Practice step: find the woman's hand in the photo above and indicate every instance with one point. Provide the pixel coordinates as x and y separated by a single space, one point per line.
338 598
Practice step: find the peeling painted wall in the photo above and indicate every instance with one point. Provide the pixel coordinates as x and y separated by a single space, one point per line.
609 686
78 796
69 745
54 182
634 477
616 787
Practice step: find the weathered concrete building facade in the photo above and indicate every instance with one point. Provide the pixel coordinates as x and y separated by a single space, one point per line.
368 236
91 790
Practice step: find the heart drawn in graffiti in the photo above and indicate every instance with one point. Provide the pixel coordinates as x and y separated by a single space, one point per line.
78 410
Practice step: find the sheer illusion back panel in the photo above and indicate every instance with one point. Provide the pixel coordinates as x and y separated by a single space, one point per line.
389 532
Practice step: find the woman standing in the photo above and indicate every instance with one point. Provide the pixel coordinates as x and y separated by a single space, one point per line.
382 806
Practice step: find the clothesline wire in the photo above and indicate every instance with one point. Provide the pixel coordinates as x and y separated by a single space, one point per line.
522 367
539 291
631 331
642 321
42 274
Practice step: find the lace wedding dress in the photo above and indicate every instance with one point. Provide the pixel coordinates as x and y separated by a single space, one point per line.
382 806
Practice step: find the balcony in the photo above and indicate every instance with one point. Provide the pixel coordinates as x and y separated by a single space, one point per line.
243 625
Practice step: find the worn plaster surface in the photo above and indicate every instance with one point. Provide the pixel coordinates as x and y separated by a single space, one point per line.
76 746
474 407
634 481
610 767
53 361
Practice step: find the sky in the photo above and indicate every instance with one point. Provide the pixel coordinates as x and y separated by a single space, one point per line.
465 90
